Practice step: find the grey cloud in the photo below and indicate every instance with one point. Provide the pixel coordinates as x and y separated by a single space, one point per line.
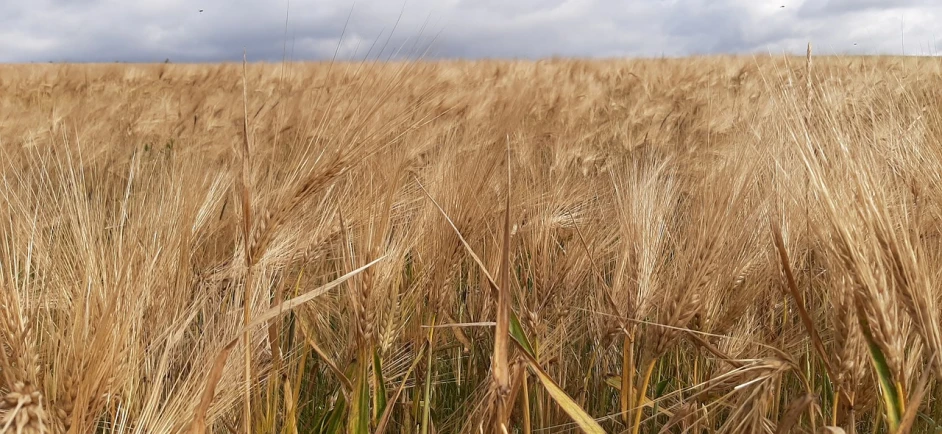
151 30
710 27
812 9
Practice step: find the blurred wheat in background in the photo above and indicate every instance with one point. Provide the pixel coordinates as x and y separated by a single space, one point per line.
704 245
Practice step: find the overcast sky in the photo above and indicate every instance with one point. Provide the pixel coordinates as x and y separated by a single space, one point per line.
152 30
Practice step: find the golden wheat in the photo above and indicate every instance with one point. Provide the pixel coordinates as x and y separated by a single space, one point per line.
688 245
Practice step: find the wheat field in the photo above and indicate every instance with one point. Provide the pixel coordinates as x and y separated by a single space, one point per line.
700 245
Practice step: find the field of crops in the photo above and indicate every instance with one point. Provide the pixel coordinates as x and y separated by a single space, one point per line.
701 245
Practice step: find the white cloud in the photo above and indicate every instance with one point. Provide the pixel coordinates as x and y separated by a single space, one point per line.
151 30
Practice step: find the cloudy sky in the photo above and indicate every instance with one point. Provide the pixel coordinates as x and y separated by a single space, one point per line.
152 30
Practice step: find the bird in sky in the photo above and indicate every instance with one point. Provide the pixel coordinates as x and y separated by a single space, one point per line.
201 11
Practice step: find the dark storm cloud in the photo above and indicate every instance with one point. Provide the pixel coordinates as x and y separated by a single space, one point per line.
152 30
